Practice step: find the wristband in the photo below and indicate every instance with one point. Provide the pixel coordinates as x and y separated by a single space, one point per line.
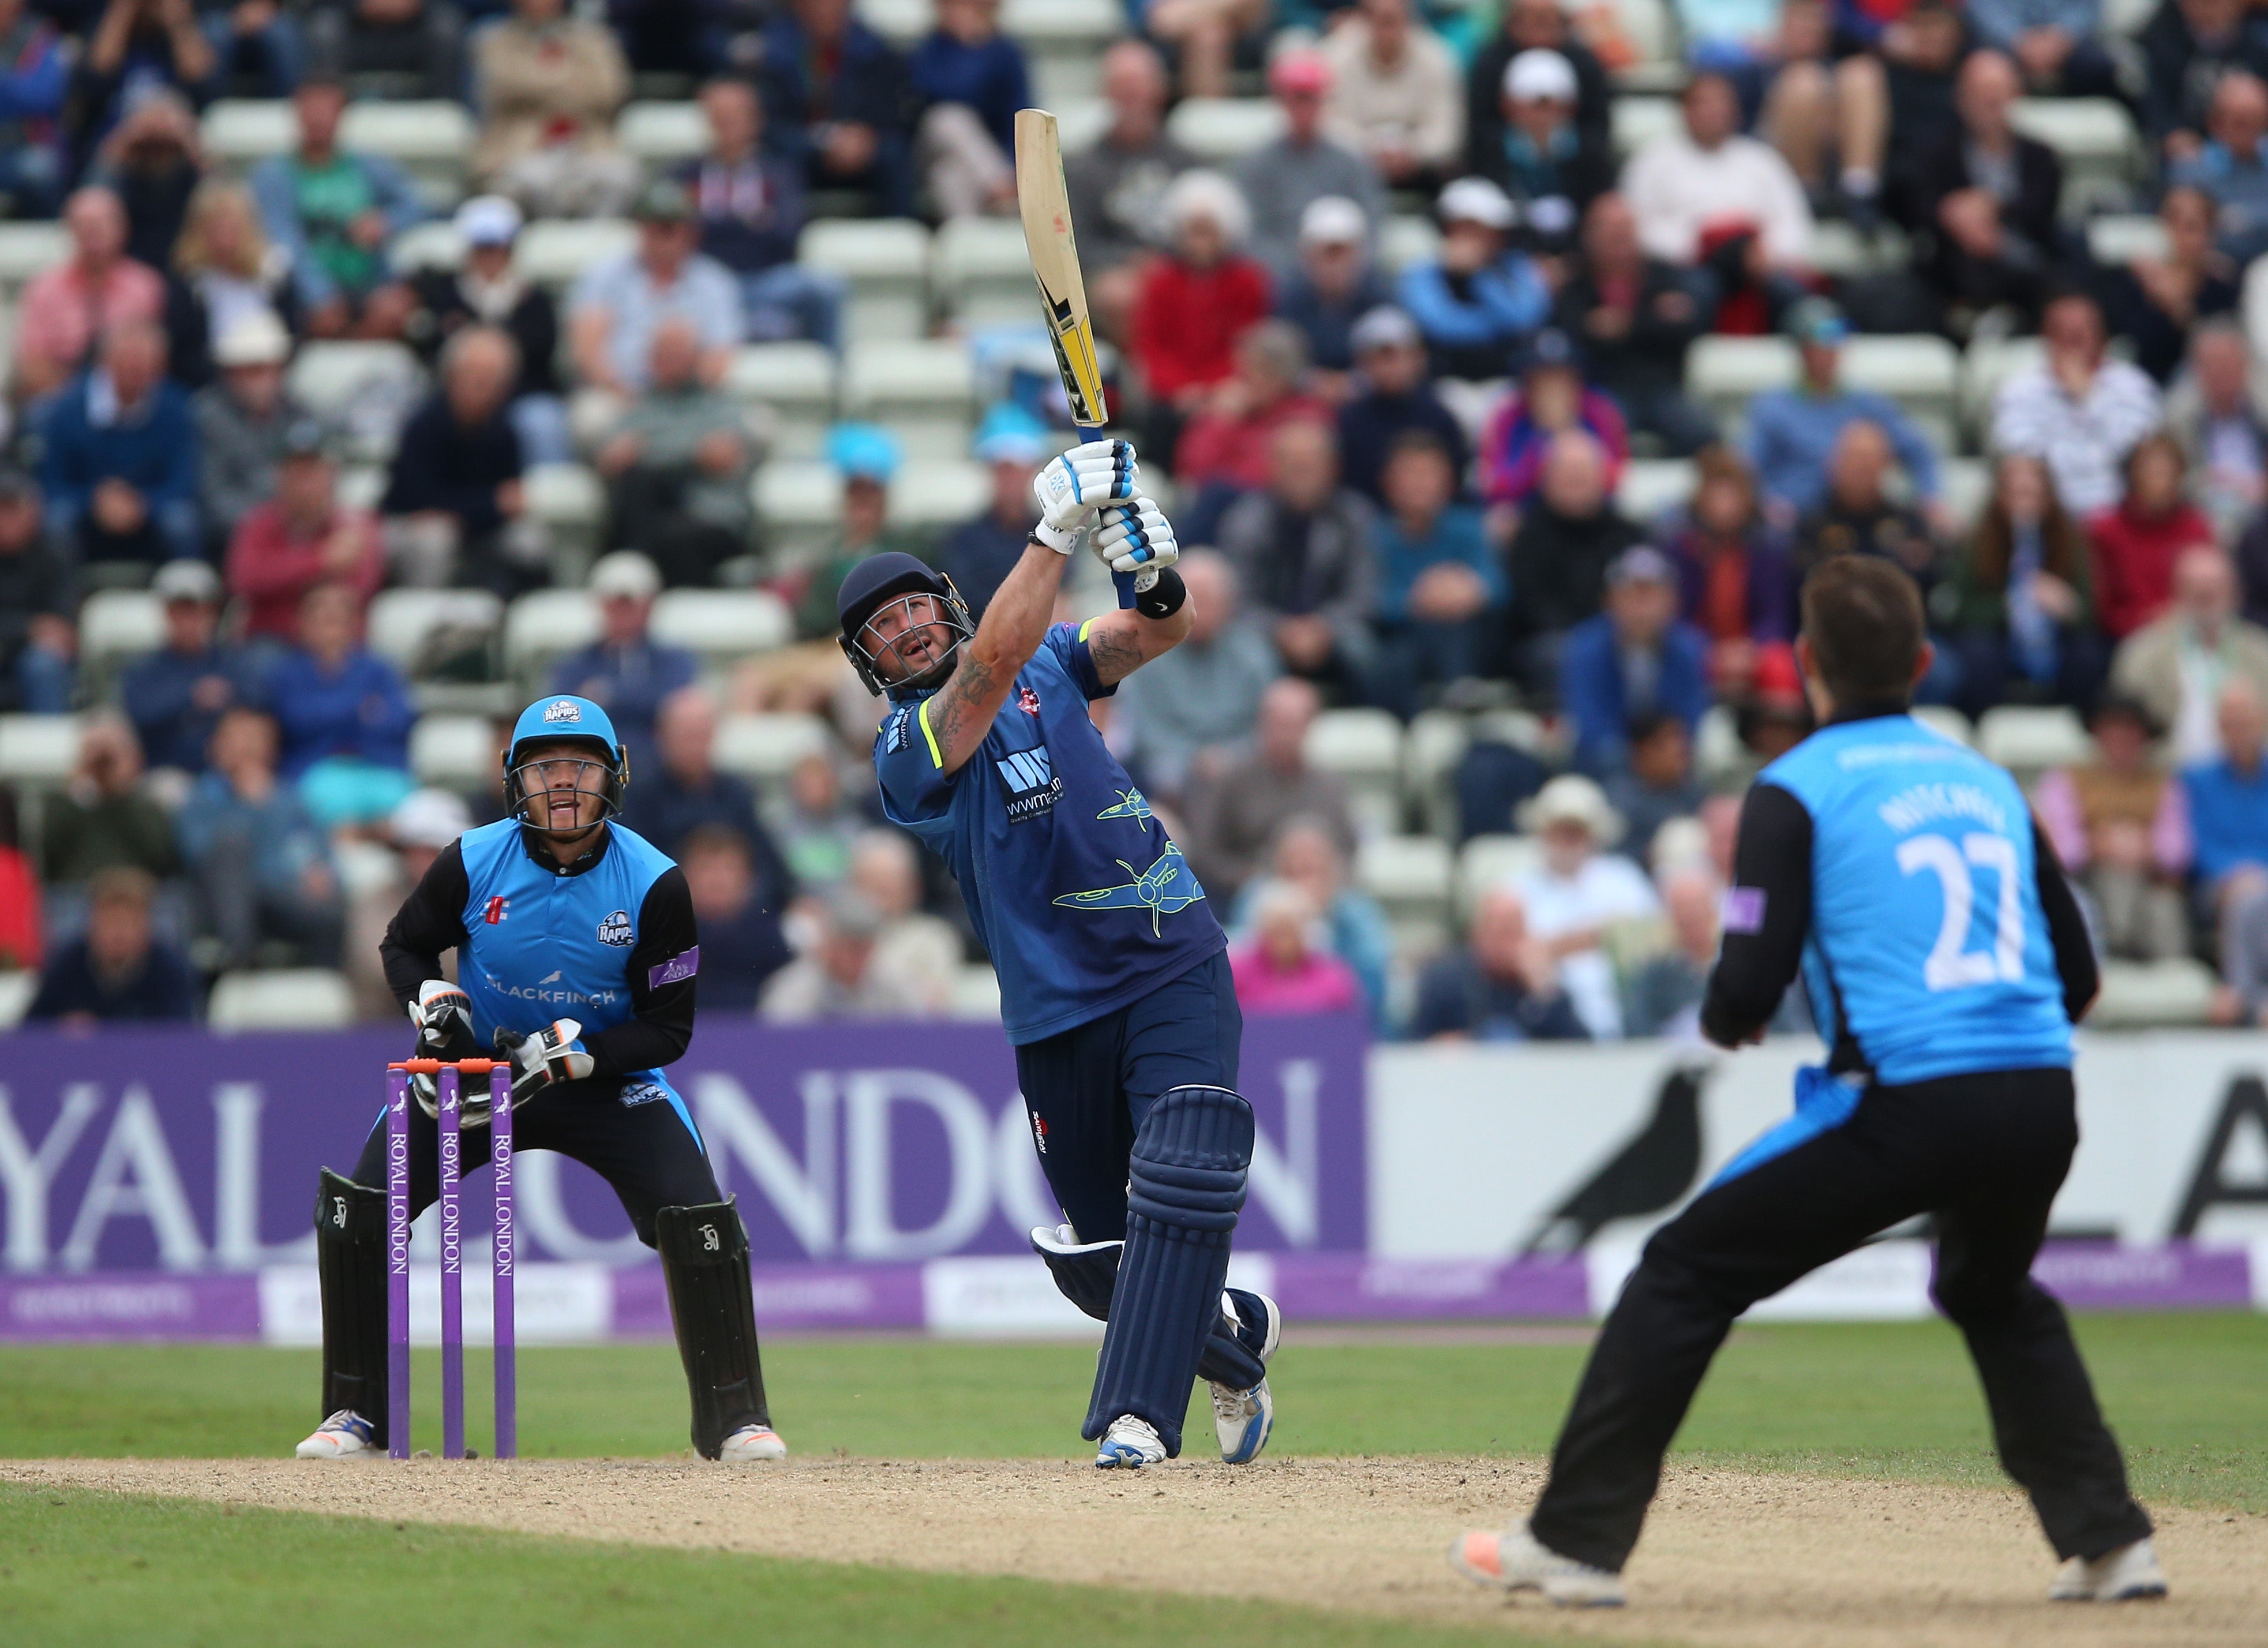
1163 599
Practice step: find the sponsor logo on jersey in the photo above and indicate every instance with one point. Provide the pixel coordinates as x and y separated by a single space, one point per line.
1039 1135
616 929
680 967
894 734
1032 785
562 710
1027 701
644 1092
497 906
552 977
553 997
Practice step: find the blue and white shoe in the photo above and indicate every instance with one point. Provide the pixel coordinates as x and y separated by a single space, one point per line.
346 1434
1129 1445
1243 1419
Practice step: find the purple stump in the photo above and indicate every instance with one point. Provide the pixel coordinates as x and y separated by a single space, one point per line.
505 1252
397 1264
453 1269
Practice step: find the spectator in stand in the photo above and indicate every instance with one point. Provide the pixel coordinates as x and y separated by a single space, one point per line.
677 465
839 101
1828 112
1501 986
1981 197
1204 35
2217 420
38 604
2076 409
2160 300
2187 47
21 946
1579 892
1793 432
547 85
979 553
1635 317
2020 604
1118 187
1307 857
35 72
973 79
751 206
1922 51
1530 26
618 304
1280 180
1301 549
455 508
1334 286
867 457
260 868
176 696
225 275
1709 196
1568 535
153 161
103 819
119 464
682 792
1441 587
2177 664
344 714
1478 300
1230 441
120 972
1632 662
1551 399
65 310
1547 164
2107 820
1201 699
1735 584
1394 96
136 44
626 670
487 290
299 538
1235 812
409 51
742 945
1391 398
840 975
921 949
1195 302
332 211
815 824
2232 167
2223 800
2057 44
1286 965
1655 784
2138 544
1859 516
1663 996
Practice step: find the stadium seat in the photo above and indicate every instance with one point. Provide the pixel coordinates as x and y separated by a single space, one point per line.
1946 719
241 132
1431 750
1064 39
924 390
886 262
1636 122
982 273
1967 484
2027 739
16 990
801 501
1080 122
554 252
2117 238
115 626
432 138
764 748
37 750
543 624
2138 994
1988 365
900 22
796 381
570 501
1487 860
1408 875
1363 748
1405 238
976 994
1723 373
290 999
658 135
1919 370
1651 487
364 390
403 620
1221 130
1717 751
1838 250
2095 138
28 250
434 245
453 752
722 624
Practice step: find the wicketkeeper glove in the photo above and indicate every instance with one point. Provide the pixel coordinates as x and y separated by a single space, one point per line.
442 1014
1135 540
1075 484
552 1054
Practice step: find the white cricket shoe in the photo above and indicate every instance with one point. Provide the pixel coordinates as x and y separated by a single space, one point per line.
1243 1418
1516 1560
2126 1575
346 1434
750 1443
1129 1445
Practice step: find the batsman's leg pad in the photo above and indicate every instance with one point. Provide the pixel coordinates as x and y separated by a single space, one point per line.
350 1260
1086 1273
1185 1189
704 1261
1231 1357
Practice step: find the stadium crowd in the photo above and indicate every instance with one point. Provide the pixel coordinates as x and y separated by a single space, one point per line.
1399 361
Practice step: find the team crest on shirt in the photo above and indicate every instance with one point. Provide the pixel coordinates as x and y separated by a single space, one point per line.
1027 701
1032 785
616 931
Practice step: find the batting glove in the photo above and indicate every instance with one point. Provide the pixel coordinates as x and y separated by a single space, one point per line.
1135 539
1075 484
552 1054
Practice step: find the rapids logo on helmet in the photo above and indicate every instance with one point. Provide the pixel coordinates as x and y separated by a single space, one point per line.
562 710
616 929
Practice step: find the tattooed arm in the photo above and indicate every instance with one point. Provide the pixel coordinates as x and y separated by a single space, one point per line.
960 712
1123 641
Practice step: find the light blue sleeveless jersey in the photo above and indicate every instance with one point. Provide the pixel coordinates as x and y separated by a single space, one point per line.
1927 944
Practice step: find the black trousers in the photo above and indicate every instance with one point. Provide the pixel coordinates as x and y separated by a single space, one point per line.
1986 1154
649 1153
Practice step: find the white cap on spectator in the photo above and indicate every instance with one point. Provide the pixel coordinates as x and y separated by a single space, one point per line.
1540 75
488 220
1477 200
186 581
625 572
1385 326
429 817
1572 798
254 338
1333 220
1201 193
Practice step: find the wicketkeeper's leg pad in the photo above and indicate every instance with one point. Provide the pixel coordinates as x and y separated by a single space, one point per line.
704 1261
351 1263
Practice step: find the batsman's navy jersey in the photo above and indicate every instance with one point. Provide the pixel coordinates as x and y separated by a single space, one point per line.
1937 935
1083 900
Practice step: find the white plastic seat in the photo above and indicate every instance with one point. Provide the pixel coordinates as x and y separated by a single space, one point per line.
1408 875
1363 747
543 624
924 390
1724 373
801 501
658 134
885 261
982 271
2095 138
116 625
722 623
1430 749
2029 739
1985 368
364 389
1651 487
28 250
1967 486
1405 238
1489 861
976 994
432 137
1080 122
241 132
796 383
900 22
401 621
290 998
764 748
1718 753
2117 238
1220 130
453 751
554 252
432 244
2140 995
1946 719
1921 371
39 750
1635 121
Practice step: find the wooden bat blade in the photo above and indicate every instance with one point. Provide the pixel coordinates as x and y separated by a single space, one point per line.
1046 206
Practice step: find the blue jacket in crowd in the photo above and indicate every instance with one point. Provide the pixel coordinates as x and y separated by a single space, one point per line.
156 453
1792 435
1594 694
284 838
171 715
1456 537
1471 325
991 78
363 711
2228 817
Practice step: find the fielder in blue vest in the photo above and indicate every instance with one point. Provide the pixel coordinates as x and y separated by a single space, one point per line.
1114 973
1946 961
577 958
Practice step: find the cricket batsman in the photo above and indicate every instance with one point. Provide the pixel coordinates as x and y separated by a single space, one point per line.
1945 959
576 944
1114 975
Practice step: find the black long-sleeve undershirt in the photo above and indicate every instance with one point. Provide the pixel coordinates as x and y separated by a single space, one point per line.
660 1025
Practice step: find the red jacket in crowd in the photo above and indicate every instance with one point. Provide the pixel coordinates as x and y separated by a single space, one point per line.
2134 557
1186 320
270 567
